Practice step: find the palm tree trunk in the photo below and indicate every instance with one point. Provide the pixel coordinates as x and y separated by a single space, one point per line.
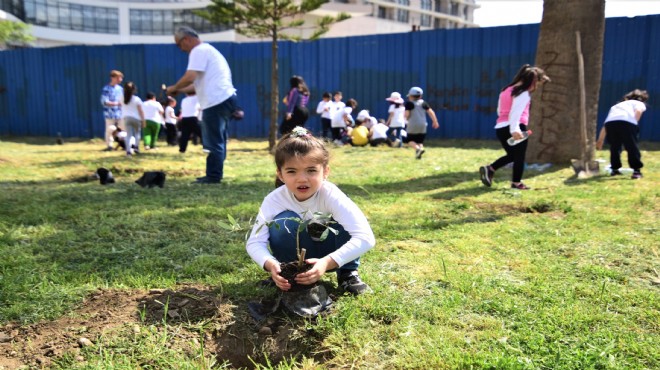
555 111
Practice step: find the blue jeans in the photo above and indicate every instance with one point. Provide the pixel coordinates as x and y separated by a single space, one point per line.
283 242
395 132
214 136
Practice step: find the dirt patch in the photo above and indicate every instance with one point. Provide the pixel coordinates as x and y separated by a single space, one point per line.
229 332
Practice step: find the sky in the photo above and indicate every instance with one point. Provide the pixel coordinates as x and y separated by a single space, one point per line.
495 13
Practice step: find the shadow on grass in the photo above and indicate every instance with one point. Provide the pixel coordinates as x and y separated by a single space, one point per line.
441 181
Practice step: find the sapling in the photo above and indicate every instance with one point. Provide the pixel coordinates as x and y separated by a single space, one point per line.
317 227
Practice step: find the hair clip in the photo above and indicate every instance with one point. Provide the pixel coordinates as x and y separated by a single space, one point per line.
300 132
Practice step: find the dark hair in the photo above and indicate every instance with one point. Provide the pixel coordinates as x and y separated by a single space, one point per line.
298 82
524 79
327 95
637 94
150 95
352 103
129 90
293 145
518 75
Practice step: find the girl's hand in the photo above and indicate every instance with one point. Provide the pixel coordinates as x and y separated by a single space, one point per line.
314 274
517 135
321 265
273 267
288 116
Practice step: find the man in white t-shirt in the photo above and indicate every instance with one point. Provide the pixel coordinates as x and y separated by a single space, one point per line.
208 74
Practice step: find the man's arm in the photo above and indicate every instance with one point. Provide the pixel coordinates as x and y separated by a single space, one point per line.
184 85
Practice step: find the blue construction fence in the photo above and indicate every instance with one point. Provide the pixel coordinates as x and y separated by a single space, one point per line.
57 90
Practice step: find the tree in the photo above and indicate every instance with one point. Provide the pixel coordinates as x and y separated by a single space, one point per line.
14 34
269 19
555 109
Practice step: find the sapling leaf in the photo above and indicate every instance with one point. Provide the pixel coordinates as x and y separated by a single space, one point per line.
225 226
231 220
325 234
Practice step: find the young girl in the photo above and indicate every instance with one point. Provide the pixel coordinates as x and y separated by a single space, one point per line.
324 108
153 111
512 119
170 121
302 165
396 120
133 117
296 105
622 127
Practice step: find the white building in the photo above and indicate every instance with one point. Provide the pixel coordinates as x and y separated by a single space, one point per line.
106 22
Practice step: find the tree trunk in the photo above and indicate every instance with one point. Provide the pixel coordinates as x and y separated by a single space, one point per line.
274 93
555 111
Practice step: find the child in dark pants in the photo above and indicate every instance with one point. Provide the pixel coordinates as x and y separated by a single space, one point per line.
513 116
622 128
303 167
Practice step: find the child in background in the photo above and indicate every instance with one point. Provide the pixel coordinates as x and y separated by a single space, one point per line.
153 112
170 121
133 116
416 111
324 109
342 120
359 135
296 105
396 120
189 124
622 128
335 107
512 120
303 166
378 134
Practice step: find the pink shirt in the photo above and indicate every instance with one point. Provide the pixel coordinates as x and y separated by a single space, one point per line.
512 111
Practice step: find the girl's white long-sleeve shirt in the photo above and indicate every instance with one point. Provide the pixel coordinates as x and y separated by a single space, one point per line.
512 111
328 199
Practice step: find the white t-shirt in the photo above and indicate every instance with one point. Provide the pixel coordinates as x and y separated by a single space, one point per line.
320 109
625 111
398 118
328 199
169 115
338 117
131 109
190 106
153 111
379 131
213 82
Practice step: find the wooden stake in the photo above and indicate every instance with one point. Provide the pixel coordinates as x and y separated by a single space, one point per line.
301 258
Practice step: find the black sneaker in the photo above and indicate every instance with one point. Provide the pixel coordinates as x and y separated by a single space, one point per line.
486 175
615 173
350 281
419 152
636 175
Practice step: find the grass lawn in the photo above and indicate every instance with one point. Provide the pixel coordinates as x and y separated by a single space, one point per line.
564 276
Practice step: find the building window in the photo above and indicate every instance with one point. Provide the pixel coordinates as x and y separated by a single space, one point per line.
402 15
425 19
68 16
454 9
164 22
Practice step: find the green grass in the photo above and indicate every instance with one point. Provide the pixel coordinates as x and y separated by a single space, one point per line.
559 277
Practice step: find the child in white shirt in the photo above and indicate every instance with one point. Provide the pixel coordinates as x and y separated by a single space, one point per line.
302 165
